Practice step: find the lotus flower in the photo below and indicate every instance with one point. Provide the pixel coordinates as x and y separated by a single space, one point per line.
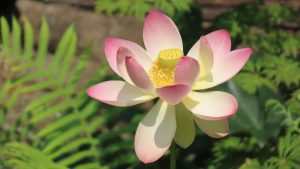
162 70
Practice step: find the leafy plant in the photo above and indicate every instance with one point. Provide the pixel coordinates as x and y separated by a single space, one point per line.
56 89
25 157
287 156
294 102
260 116
139 8
266 89
274 63
261 90
61 125
247 153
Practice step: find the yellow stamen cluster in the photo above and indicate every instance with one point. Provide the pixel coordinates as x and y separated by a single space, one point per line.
163 69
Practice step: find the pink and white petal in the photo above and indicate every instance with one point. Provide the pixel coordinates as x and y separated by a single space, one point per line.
160 33
137 74
220 43
185 131
122 53
202 52
194 52
186 71
211 105
224 69
112 46
155 132
118 93
173 94
213 128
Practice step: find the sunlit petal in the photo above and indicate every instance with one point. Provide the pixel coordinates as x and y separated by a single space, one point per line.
186 71
213 128
112 46
224 68
202 52
118 93
160 33
137 74
155 132
173 94
122 53
211 105
220 42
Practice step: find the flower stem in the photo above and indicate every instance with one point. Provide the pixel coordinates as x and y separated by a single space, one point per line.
173 156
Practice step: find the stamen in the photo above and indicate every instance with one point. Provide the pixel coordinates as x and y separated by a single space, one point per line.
163 69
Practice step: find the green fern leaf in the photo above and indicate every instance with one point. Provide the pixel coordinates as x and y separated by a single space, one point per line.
43 43
28 38
4 34
16 37
139 8
21 156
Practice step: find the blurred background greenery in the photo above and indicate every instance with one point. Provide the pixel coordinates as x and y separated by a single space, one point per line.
52 50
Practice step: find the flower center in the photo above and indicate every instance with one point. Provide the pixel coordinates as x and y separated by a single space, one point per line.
163 68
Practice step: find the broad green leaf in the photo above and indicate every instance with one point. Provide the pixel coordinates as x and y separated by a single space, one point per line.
259 116
248 110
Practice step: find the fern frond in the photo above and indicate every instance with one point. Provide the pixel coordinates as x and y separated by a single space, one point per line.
58 105
4 34
139 8
21 156
43 43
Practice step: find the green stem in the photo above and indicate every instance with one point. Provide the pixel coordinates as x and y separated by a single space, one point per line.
173 156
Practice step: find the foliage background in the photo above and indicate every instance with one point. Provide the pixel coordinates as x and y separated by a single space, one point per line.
47 121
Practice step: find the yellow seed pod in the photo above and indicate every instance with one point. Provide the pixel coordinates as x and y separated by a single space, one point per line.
169 57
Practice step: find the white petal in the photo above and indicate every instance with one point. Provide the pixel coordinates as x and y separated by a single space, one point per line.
211 105
226 63
160 33
112 46
122 53
119 93
186 71
155 132
202 52
213 128
137 74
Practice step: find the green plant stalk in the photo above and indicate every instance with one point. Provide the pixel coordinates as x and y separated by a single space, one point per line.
173 156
